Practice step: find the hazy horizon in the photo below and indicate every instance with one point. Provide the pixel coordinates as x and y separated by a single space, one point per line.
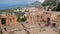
10 3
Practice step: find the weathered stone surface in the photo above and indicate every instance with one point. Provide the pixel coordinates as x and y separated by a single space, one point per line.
20 32
48 31
13 29
12 32
33 29
30 29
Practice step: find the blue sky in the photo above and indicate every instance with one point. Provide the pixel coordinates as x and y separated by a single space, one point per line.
6 3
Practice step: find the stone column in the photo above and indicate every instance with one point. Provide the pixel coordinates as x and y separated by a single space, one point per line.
29 18
0 23
38 17
14 19
7 21
52 17
32 18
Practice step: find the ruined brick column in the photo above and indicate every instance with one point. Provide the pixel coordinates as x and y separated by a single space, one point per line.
38 17
52 17
34 18
0 23
7 21
44 18
30 19
13 18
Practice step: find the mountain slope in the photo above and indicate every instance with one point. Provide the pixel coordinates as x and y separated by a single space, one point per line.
34 4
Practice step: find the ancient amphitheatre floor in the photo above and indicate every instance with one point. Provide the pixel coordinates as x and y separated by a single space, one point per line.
31 31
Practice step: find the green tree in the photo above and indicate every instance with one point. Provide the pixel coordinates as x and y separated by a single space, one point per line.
49 2
21 19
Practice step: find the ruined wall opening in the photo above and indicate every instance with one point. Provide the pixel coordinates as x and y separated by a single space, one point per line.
48 21
3 21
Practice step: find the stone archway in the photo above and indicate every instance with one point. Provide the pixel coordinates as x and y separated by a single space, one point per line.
3 21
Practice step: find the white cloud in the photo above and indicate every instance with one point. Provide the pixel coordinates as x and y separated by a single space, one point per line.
41 0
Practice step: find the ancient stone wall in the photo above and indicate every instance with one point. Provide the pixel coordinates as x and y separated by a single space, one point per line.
9 19
42 16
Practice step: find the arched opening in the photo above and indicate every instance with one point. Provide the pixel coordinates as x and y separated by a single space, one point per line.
48 21
54 24
3 21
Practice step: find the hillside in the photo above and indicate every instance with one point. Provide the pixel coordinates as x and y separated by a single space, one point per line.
34 4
